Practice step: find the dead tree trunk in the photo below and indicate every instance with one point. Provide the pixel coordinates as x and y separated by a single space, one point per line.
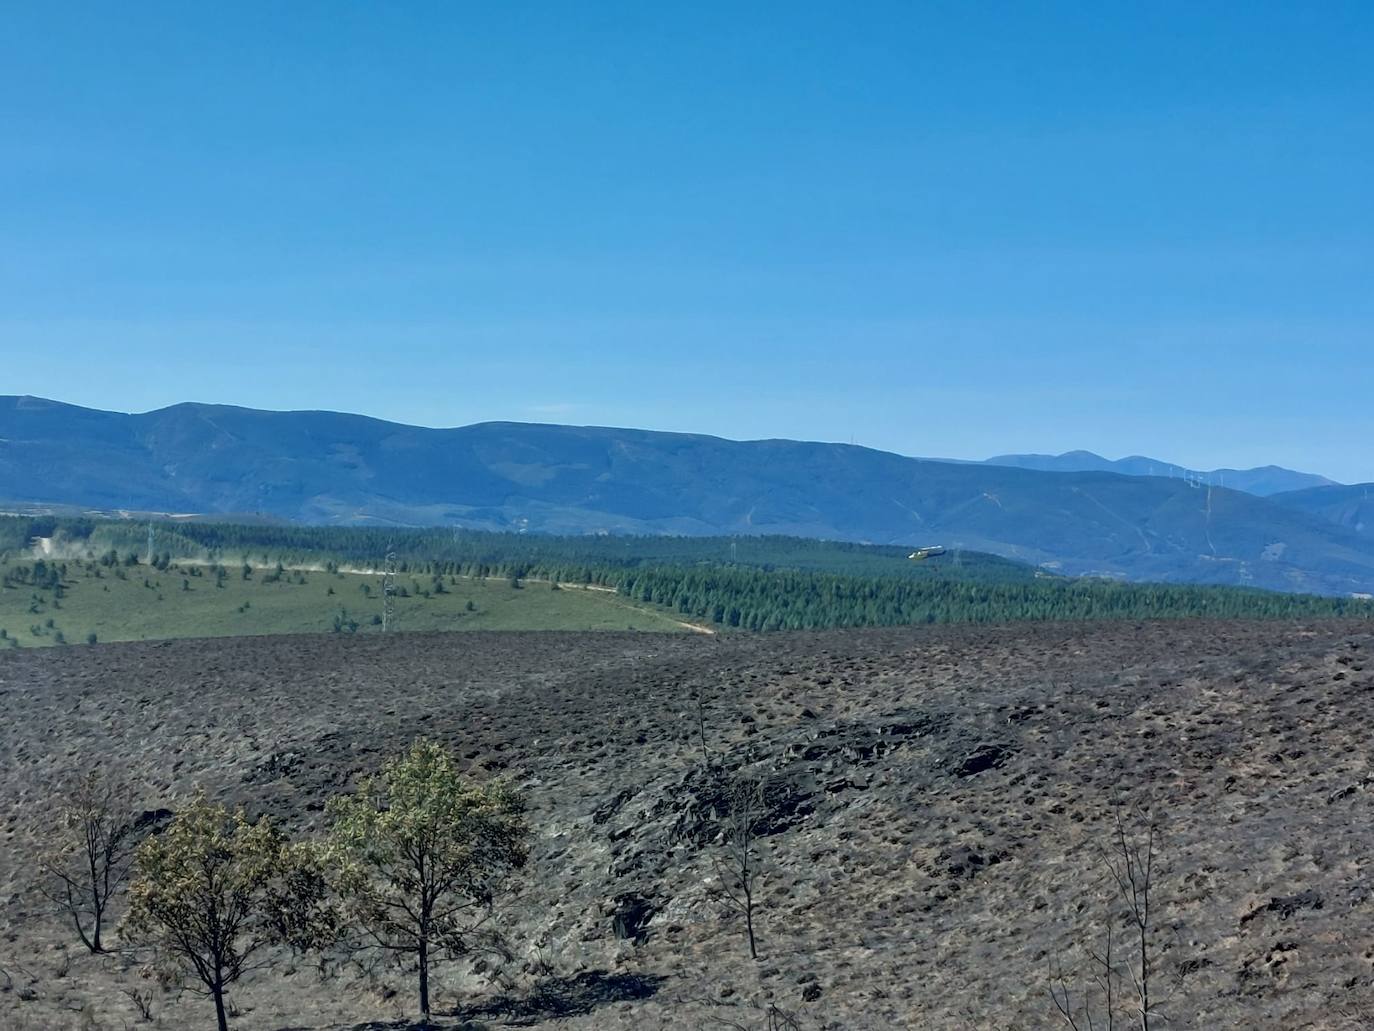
1129 860
739 864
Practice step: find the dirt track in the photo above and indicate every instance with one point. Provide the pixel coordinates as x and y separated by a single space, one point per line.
946 792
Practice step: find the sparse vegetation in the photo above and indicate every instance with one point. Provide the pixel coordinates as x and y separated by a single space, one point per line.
110 609
142 1000
903 787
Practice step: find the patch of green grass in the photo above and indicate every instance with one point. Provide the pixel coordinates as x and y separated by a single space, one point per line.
135 603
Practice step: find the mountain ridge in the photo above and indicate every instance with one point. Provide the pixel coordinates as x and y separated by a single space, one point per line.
1264 480
343 469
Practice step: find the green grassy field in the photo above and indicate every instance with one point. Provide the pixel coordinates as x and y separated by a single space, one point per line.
139 603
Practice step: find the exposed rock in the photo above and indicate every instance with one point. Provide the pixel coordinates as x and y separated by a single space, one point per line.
153 821
1286 905
984 757
613 805
963 862
855 743
632 913
278 764
702 801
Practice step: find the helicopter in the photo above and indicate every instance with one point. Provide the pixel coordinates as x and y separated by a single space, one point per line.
920 554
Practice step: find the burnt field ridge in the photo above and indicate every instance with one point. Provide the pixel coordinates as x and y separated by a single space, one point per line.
940 799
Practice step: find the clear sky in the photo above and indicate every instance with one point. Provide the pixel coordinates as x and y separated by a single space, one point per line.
948 229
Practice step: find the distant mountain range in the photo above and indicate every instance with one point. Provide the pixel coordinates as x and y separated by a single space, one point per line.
325 467
1264 481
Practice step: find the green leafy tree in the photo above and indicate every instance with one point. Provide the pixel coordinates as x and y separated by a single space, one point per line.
215 891
422 854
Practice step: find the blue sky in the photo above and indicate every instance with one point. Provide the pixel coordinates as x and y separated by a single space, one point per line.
941 229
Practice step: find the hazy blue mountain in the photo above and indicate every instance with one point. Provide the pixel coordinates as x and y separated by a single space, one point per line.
324 467
1349 506
1263 481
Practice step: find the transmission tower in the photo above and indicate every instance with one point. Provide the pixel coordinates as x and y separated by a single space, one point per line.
389 590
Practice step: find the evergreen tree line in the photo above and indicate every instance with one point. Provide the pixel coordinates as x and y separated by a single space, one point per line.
753 599
762 583
449 551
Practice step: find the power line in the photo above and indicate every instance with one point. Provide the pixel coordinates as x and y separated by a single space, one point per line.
389 589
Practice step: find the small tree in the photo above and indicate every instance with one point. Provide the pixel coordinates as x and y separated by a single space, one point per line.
422 854
89 852
739 865
1131 861
1130 864
700 701
214 891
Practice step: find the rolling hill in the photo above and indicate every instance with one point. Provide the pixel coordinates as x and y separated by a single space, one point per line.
948 785
1349 506
330 468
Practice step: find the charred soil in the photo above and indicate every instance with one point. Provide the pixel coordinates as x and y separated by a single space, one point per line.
936 802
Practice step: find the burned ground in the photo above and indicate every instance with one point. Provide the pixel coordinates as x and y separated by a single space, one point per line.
936 802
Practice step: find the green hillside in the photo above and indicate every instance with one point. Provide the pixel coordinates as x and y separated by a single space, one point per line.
62 580
54 602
